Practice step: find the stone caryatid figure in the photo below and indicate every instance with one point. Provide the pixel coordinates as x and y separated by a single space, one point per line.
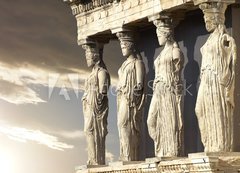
165 119
215 101
130 98
95 105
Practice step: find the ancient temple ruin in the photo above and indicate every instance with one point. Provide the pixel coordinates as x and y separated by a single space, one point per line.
193 115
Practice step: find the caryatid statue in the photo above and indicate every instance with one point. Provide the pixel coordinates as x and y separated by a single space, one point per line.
95 105
215 101
130 98
165 117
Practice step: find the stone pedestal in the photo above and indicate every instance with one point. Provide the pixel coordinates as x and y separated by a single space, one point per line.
203 162
124 163
86 168
194 163
226 162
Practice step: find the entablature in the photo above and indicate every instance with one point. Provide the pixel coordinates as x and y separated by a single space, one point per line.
97 18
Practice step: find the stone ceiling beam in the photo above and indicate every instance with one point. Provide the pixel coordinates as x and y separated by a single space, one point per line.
197 2
101 18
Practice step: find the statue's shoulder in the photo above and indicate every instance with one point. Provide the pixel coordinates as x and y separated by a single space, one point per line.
177 53
175 45
102 71
139 62
176 48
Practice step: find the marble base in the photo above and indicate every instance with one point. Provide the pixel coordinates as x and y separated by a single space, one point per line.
227 162
214 154
85 168
122 163
159 159
223 162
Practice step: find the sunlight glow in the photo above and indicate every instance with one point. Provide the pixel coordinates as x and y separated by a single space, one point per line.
6 162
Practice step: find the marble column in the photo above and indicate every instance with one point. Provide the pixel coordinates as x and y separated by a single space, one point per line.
95 103
215 101
130 97
165 117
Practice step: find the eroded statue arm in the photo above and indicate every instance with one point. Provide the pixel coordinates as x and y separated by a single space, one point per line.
178 62
140 74
103 82
229 46
139 88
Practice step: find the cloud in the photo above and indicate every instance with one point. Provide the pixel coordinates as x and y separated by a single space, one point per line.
16 84
26 135
41 43
77 134
109 157
18 94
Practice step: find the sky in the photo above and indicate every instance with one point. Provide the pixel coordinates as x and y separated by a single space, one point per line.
42 71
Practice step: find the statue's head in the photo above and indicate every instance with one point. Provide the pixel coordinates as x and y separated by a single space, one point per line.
126 43
164 30
214 14
92 54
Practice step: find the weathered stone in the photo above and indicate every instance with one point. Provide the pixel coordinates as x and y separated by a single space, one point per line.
123 12
130 98
197 2
215 101
165 119
95 105
214 106
121 163
195 163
